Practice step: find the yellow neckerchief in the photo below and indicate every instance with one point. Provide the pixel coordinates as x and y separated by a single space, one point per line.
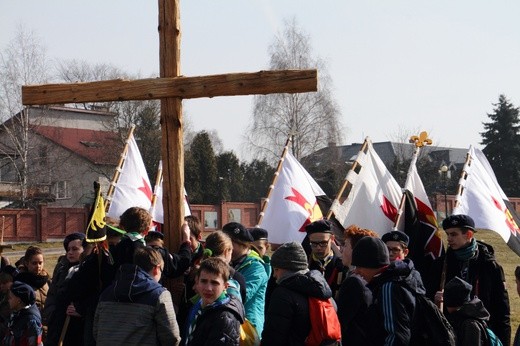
324 262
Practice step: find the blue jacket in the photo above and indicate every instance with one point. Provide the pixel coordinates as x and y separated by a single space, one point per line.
392 310
135 310
253 268
25 327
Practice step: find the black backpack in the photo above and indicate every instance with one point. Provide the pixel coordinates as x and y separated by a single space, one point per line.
429 325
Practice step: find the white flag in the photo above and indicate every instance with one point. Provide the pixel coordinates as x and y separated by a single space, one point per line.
133 188
374 198
483 199
292 204
157 211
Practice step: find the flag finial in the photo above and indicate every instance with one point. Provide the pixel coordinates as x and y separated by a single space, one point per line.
421 140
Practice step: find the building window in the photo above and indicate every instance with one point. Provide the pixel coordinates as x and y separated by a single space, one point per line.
43 155
61 190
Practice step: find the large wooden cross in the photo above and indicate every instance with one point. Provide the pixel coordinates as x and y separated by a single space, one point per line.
171 88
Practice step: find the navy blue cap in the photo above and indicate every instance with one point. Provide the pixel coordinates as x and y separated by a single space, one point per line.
396 236
258 233
319 226
458 221
238 232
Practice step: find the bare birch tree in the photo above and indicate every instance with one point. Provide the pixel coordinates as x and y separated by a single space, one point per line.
312 118
22 62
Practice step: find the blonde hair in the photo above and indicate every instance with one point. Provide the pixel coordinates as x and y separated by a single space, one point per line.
217 242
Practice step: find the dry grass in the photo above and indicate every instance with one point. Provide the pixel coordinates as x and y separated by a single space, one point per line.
508 260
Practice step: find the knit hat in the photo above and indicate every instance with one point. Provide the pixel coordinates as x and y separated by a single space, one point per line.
319 226
290 256
258 233
457 292
370 252
24 292
238 232
71 237
396 236
458 221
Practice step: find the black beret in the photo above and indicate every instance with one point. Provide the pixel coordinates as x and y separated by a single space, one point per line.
319 226
395 236
24 292
258 233
237 231
71 237
458 221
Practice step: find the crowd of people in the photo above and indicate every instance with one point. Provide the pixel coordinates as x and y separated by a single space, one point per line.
112 293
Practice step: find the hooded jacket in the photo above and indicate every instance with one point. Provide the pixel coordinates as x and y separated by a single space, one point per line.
287 320
487 278
135 310
468 323
253 268
25 328
217 324
392 310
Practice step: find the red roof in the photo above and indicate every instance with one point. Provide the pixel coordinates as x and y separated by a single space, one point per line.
98 147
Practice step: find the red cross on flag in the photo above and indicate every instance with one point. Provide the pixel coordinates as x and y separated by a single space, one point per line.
374 198
482 198
133 188
292 204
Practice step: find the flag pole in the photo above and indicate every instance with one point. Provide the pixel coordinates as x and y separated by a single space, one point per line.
460 188
117 172
158 183
346 182
275 178
419 142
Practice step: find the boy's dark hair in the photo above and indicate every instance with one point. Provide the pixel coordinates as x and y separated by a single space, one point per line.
216 266
194 225
147 258
517 272
135 219
5 277
30 252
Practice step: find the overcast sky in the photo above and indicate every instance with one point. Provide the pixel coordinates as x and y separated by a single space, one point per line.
395 65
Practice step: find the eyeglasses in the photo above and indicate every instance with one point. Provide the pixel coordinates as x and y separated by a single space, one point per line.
320 243
395 249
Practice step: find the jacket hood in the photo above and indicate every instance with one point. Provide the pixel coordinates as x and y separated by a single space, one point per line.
132 283
474 309
232 305
311 284
404 272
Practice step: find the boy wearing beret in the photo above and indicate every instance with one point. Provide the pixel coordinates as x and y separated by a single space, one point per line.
474 262
25 326
322 257
397 243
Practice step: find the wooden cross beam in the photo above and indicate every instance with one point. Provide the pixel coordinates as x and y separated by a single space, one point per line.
171 88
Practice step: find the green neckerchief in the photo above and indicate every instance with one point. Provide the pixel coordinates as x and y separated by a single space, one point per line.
467 252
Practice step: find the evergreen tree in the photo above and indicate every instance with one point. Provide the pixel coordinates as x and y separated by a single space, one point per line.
230 177
258 175
502 145
201 171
